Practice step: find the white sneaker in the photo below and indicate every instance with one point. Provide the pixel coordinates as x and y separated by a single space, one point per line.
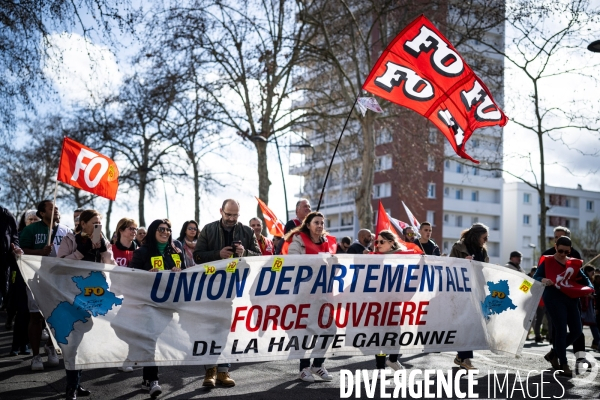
155 389
45 335
125 369
306 375
52 357
395 365
322 372
36 363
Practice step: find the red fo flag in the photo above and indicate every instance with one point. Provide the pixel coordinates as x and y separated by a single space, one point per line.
383 223
274 225
422 71
87 169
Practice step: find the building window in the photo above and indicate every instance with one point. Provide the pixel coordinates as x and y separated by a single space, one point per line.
447 164
526 198
459 220
474 220
459 168
589 205
446 191
446 246
433 136
382 190
526 241
459 194
383 163
431 217
568 203
431 191
430 163
475 195
347 219
526 219
384 137
475 142
475 171
446 218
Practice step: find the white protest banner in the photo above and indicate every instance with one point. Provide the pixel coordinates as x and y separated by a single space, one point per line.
280 307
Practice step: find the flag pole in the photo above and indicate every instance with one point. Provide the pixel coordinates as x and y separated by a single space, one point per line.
52 215
334 153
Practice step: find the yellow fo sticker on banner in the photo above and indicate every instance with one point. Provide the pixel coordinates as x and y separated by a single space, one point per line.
231 267
525 286
210 269
277 264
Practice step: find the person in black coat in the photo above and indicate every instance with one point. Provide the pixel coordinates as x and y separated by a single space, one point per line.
158 253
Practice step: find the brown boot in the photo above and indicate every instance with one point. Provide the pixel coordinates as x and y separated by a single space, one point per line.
552 359
565 371
224 379
210 377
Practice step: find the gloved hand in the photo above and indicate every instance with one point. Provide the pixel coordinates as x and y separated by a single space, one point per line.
84 244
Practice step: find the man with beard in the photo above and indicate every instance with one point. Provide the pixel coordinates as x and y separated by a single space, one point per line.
219 240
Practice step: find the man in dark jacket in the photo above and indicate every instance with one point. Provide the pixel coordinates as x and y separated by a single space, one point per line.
9 246
515 261
361 246
219 240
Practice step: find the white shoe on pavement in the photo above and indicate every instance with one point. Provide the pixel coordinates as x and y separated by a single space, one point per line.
306 375
36 363
321 372
395 365
155 389
52 356
125 369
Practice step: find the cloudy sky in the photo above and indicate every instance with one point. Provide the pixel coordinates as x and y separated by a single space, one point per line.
88 70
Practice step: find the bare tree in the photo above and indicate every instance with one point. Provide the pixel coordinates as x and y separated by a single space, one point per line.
588 240
26 27
545 38
249 50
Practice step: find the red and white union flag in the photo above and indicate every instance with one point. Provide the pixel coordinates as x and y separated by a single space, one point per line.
88 170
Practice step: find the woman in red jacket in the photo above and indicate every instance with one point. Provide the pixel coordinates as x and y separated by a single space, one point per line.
311 238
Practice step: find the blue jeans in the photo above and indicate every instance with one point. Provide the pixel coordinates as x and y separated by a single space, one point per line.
564 312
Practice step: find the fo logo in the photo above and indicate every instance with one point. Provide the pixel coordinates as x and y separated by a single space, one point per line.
98 291
498 294
97 165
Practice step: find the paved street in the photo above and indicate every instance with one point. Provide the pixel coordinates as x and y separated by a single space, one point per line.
277 380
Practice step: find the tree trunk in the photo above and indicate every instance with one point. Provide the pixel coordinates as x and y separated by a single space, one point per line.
542 193
196 192
108 214
263 179
364 192
142 197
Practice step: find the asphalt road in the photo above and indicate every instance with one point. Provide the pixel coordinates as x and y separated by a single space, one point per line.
277 380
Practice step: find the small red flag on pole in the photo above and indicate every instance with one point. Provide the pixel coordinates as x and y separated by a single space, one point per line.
274 225
86 169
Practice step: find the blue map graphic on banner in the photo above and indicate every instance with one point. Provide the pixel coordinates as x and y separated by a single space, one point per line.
94 299
497 301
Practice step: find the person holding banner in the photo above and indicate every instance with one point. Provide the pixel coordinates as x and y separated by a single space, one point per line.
471 246
158 253
124 241
310 238
81 246
188 237
566 283
387 243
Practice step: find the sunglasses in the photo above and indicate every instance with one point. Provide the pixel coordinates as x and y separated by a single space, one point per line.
162 229
561 251
381 241
191 228
132 229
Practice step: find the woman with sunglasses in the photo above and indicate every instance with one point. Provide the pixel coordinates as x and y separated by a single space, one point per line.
565 283
310 238
471 246
387 243
158 253
188 237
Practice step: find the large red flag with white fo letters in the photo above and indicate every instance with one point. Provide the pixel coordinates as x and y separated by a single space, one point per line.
421 70
88 170
383 223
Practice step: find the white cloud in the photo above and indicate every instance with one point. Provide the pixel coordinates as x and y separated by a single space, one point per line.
82 72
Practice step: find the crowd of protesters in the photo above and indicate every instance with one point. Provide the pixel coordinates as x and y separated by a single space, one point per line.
40 232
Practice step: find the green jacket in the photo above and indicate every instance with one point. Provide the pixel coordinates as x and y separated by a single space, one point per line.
459 250
211 240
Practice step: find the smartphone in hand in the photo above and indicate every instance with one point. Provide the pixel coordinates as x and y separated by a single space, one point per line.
97 234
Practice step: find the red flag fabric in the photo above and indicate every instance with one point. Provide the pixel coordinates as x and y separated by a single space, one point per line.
88 170
421 70
274 225
383 223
